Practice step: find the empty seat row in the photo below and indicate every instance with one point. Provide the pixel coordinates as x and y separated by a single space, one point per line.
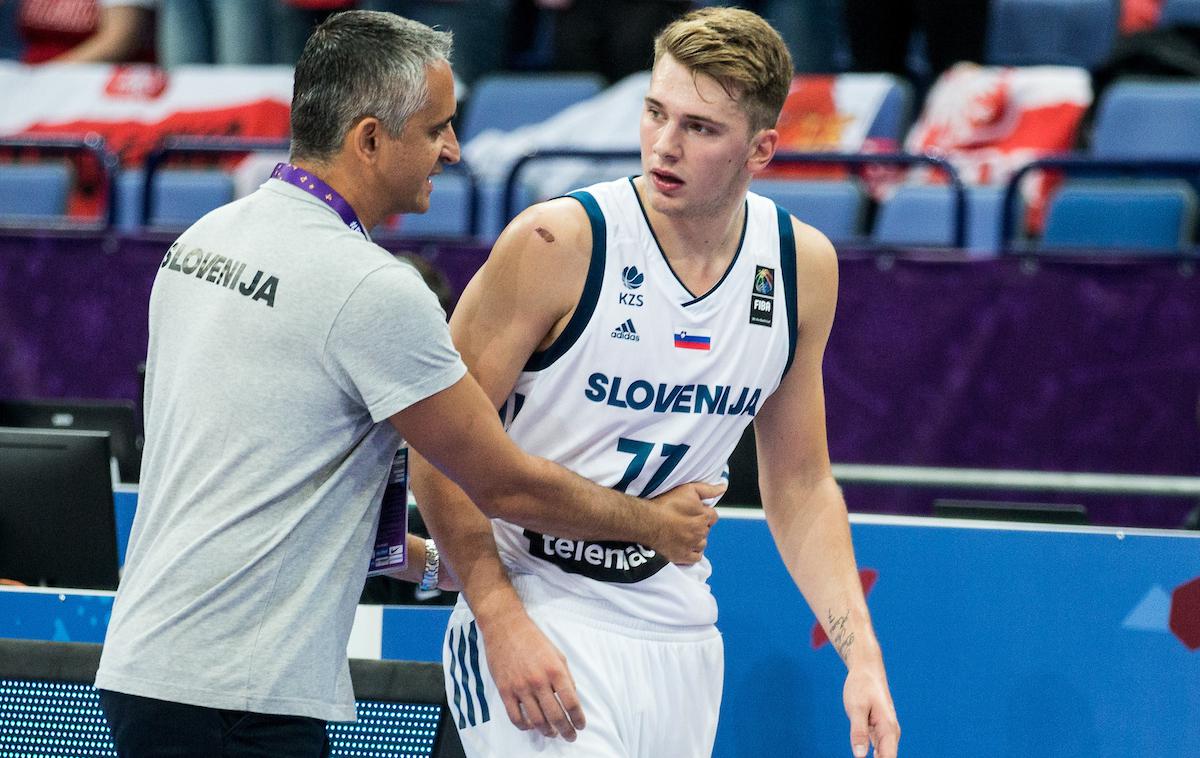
1135 217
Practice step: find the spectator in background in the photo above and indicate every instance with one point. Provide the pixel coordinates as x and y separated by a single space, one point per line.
202 31
294 20
813 30
86 31
614 38
879 33
481 29
10 41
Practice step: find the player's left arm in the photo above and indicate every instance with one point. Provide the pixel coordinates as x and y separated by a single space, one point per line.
804 505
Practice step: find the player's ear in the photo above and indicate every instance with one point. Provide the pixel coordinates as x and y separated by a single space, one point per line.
762 149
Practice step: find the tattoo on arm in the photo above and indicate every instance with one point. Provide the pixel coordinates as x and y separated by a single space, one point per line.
841 637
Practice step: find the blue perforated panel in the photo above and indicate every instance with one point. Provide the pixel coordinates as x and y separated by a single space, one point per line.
52 719
387 730
44 719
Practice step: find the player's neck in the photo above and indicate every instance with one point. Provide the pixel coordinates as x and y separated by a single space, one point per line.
699 238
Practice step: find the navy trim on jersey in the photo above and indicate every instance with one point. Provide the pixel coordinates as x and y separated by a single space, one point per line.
787 262
591 289
732 263
695 299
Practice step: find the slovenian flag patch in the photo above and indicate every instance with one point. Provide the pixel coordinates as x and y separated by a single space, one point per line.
693 339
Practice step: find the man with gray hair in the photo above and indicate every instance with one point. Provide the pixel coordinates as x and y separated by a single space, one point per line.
289 360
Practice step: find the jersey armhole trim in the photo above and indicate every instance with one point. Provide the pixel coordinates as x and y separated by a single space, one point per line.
591 289
787 262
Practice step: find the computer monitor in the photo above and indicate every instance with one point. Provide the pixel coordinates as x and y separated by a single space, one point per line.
57 527
117 417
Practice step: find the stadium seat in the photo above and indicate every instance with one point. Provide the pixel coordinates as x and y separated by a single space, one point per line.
1148 120
895 113
508 101
924 216
834 207
448 211
128 211
1180 13
1051 32
33 190
182 197
1134 217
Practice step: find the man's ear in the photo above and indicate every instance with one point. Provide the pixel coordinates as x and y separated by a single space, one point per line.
364 138
762 149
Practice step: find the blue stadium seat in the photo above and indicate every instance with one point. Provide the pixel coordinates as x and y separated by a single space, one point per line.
33 190
447 214
508 101
895 113
836 208
1180 13
128 200
183 196
1153 216
1146 120
924 216
1051 32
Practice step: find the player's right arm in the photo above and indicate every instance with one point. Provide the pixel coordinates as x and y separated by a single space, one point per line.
519 302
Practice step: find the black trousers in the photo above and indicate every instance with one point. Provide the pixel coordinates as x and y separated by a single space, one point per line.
146 728
879 31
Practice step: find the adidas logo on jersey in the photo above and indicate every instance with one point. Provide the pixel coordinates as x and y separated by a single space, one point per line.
626 331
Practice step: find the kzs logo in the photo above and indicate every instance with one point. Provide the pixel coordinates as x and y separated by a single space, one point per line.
632 279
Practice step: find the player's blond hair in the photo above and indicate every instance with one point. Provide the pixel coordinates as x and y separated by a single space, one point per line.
738 49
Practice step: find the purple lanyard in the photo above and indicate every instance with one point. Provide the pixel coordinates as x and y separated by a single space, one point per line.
298 177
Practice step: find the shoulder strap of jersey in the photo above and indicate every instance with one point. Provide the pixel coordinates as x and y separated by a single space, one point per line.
591 289
787 262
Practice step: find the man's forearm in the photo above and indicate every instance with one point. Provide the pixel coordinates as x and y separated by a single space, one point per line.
813 536
548 498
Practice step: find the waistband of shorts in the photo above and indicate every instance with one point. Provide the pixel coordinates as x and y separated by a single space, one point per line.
541 596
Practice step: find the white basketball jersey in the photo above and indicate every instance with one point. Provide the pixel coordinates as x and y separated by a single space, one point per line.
649 387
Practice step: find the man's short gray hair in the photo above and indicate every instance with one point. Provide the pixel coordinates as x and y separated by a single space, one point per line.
358 64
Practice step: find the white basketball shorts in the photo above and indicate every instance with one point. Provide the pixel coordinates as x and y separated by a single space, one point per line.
647 691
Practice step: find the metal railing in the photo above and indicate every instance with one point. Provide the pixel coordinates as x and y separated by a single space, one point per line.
172 146
998 479
842 159
1086 166
90 143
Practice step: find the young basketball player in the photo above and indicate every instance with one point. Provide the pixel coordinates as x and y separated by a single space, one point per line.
630 331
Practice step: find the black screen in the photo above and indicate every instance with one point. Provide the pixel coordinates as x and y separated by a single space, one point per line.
113 416
57 527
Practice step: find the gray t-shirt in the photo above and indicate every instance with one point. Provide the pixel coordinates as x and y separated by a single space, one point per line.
280 343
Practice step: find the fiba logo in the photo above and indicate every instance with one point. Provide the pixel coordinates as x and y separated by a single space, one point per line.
764 281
